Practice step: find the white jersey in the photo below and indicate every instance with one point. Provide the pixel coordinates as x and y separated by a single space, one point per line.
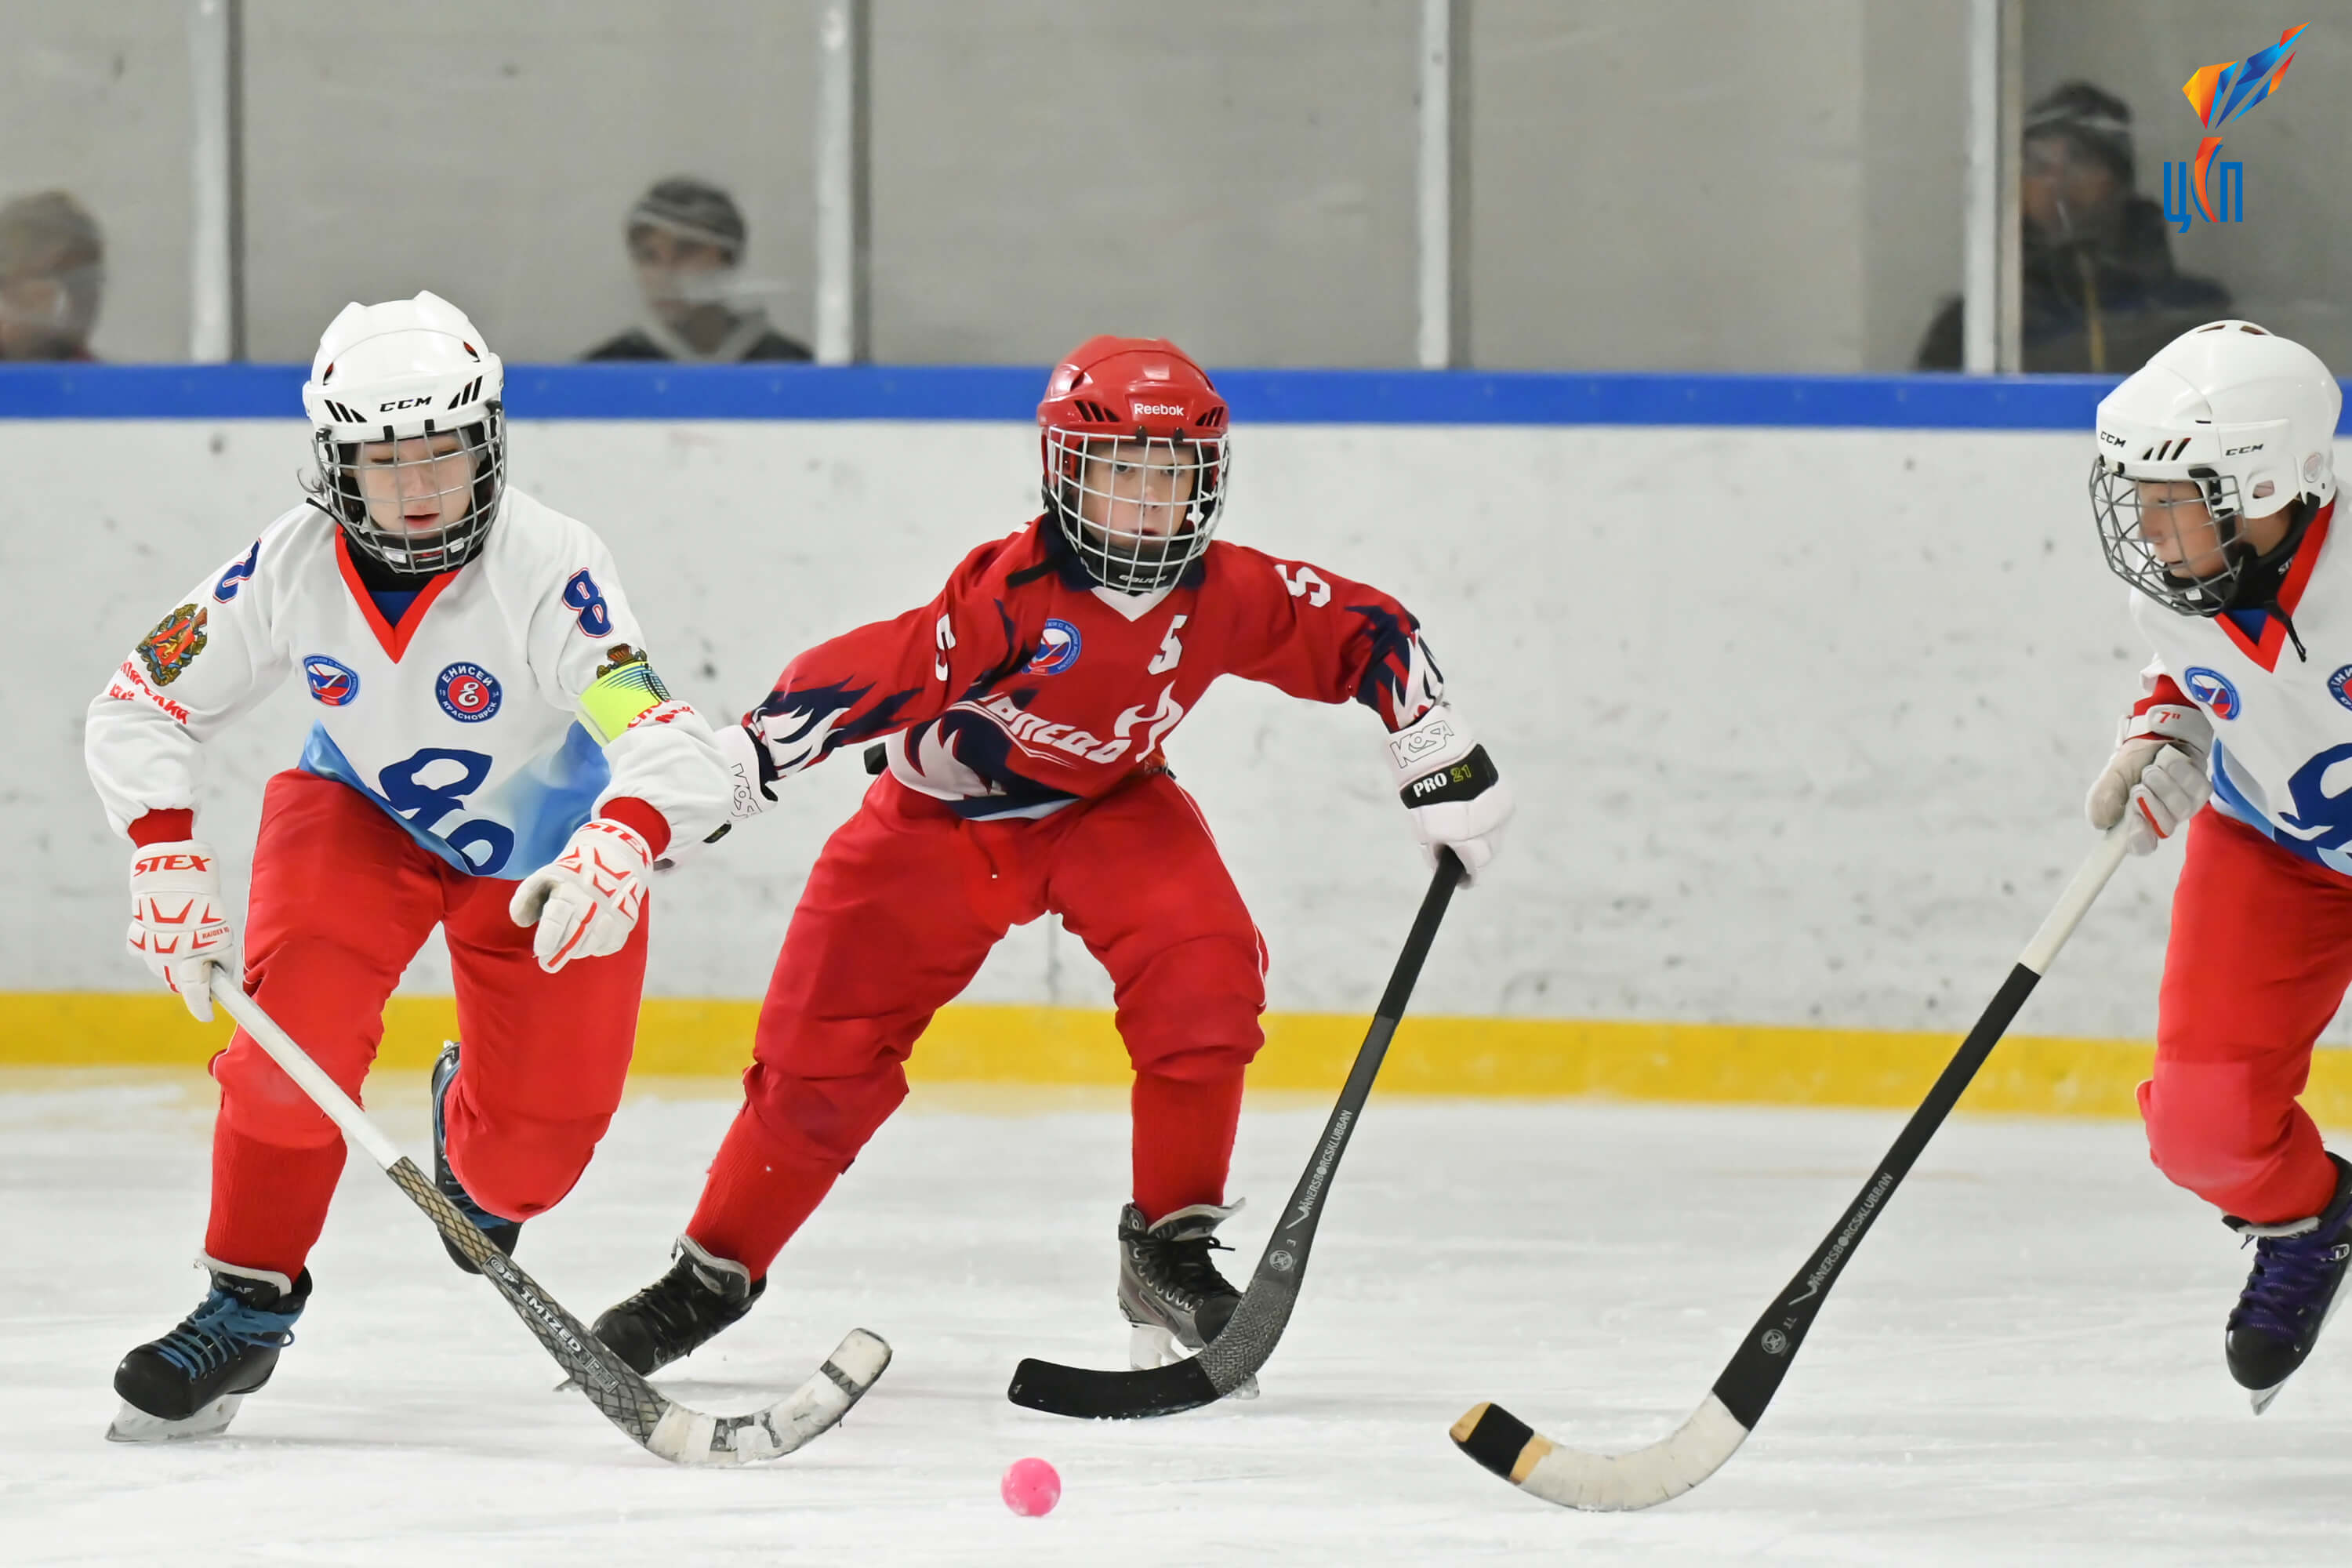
2281 759
506 705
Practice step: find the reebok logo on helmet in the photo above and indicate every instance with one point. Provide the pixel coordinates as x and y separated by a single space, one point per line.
1175 408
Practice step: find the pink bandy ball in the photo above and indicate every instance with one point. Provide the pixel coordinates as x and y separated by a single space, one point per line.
1031 1488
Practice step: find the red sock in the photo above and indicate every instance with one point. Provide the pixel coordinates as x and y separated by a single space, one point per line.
759 1192
1183 1140
269 1202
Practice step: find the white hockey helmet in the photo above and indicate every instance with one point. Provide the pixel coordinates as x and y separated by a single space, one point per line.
394 373
2250 418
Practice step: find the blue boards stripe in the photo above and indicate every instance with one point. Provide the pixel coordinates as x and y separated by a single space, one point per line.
1011 393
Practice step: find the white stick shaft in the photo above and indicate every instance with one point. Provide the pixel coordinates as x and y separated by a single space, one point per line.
308 1075
2075 902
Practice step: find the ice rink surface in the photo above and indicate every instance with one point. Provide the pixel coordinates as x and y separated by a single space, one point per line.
2021 1365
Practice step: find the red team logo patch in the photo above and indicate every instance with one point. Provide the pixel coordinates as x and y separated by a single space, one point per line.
331 682
468 693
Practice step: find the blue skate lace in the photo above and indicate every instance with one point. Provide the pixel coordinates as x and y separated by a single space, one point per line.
220 1328
2292 1283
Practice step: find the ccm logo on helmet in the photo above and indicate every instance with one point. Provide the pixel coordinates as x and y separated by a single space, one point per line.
403 403
2233 451
2112 440
1175 408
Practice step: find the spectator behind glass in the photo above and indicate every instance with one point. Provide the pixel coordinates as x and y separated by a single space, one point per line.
52 271
686 239
2099 292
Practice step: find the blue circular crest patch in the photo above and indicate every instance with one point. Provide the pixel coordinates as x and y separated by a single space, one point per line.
1057 648
2336 683
2212 688
331 682
468 693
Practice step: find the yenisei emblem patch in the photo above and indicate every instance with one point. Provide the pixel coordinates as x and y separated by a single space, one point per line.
468 693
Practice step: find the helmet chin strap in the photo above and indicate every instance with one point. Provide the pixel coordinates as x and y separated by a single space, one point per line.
2258 579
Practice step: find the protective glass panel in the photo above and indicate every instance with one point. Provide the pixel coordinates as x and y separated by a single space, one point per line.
94 218
2174 174
1240 179
589 178
1682 184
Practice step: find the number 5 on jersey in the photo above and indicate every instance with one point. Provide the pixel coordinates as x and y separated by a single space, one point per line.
1171 652
1304 582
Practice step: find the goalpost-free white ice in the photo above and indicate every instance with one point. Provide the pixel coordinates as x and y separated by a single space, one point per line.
2024 1363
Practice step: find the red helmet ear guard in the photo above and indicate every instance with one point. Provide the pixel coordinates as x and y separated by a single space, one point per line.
1121 406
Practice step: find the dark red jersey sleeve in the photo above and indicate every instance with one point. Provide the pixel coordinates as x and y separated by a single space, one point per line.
887 675
1317 635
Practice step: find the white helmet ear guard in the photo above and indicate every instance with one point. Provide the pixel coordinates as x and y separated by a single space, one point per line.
2247 417
401 372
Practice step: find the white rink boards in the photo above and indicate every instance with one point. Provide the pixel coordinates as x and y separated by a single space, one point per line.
1798 720
2022 1364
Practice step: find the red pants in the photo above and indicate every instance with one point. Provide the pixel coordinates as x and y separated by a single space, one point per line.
899 911
341 899
2260 958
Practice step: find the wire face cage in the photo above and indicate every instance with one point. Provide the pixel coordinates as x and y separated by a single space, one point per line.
2143 520
420 503
1138 510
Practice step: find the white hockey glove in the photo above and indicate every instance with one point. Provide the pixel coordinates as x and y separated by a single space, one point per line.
740 751
587 899
179 922
739 754
1456 797
2156 781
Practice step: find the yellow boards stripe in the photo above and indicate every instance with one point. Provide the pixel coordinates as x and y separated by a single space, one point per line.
988 1043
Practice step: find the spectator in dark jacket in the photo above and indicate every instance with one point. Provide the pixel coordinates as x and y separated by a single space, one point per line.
2098 289
686 239
52 273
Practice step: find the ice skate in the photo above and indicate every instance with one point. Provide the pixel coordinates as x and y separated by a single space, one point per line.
1169 1287
189 1383
2291 1293
503 1233
681 1312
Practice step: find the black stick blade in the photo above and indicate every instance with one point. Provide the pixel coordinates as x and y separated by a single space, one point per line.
1091 1394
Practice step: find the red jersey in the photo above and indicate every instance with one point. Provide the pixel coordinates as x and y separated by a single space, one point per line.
1023 687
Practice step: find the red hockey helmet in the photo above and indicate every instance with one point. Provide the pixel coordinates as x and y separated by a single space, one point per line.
1133 439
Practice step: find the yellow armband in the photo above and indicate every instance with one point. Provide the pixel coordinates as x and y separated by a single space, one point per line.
624 692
